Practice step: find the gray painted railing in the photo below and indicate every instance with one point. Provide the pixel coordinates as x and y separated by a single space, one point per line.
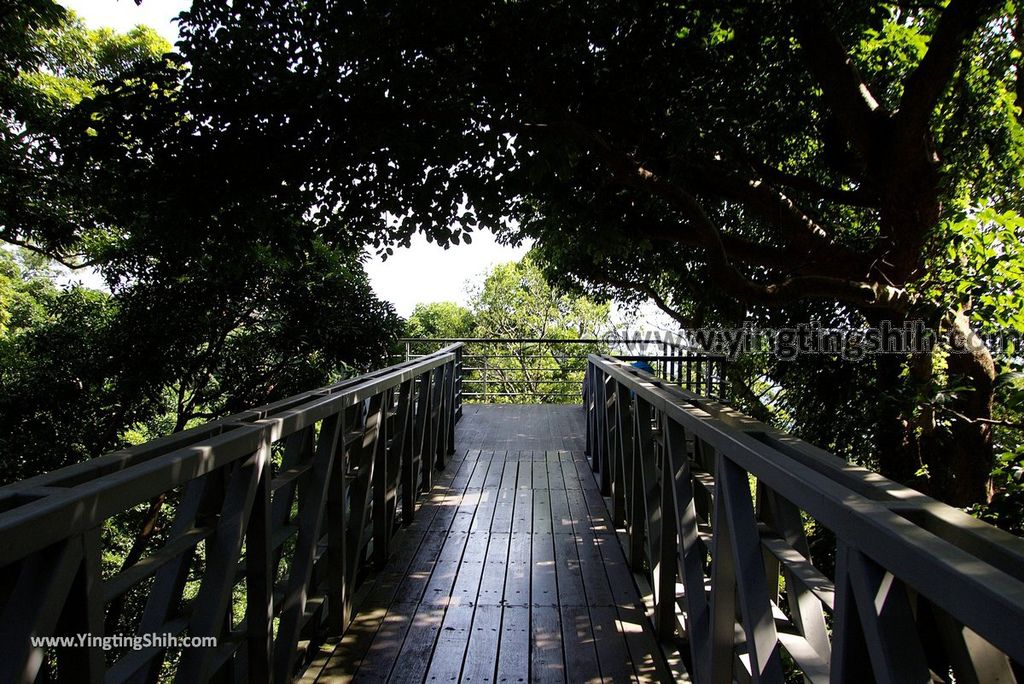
510 369
716 507
318 481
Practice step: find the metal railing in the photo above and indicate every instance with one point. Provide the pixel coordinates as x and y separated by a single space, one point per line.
278 509
545 370
717 507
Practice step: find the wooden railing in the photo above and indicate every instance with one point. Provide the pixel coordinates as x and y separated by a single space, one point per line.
276 511
717 508
544 370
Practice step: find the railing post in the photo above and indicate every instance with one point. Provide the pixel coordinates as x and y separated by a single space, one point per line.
689 373
223 553
681 519
451 409
338 589
645 496
422 430
259 583
385 498
83 614
313 493
664 567
607 408
459 374
484 376
600 461
588 396
407 449
44 581
437 438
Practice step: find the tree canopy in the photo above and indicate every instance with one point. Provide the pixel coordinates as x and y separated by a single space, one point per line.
774 160
847 162
214 299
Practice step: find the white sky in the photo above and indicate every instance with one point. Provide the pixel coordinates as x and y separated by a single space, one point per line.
422 273
125 14
428 273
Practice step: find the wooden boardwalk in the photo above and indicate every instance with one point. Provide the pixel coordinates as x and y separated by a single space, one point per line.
510 573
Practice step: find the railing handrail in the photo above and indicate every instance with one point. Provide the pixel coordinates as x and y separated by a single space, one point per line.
971 570
556 341
689 366
122 457
355 455
24 528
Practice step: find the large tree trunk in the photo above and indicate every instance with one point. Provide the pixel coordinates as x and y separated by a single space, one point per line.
898 456
946 454
963 462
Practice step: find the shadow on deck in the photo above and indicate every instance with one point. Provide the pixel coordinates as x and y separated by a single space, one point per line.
510 572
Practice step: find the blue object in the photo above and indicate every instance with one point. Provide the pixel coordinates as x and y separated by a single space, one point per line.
644 366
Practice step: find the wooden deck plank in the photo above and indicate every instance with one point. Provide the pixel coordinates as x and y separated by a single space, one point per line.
509 474
562 519
418 646
546 663
542 511
481 657
446 661
514 646
503 508
612 653
540 472
509 573
556 479
522 515
517 571
339 660
387 643
581 663
525 478
495 474
492 581
571 591
543 583
645 655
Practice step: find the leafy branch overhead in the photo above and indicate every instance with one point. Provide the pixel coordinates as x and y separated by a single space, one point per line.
731 161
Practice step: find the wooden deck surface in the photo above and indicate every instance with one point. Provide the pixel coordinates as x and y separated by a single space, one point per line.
510 572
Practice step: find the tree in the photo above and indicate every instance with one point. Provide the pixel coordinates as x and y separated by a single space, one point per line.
61 397
439 319
56 64
724 158
516 302
221 294
220 298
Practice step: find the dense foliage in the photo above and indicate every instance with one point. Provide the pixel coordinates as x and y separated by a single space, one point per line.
849 162
775 162
218 296
515 301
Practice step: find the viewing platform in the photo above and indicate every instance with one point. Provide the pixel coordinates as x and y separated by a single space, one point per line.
511 571
381 529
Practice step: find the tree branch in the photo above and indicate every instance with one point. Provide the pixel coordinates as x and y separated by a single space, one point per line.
932 76
60 259
725 274
737 248
852 198
650 291
846 91
1016 425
